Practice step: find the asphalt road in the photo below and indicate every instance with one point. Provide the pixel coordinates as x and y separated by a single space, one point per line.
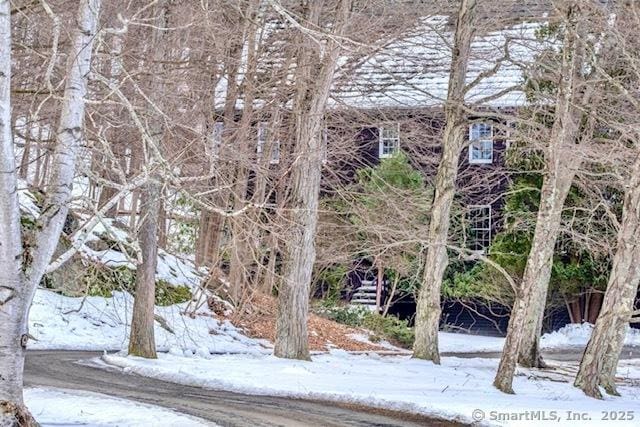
59 369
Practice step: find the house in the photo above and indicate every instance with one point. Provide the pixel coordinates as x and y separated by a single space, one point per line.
402 88
392 100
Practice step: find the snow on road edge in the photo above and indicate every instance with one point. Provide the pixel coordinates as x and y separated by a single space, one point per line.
55 407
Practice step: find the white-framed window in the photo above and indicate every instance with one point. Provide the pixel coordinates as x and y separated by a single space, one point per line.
388 140
263 134
511 134
479 227
481 143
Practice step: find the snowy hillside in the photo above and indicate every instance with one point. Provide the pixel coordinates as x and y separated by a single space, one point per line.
97 323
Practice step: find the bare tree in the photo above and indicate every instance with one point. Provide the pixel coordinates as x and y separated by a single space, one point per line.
572 128
575 94
25 270
314 76
142 340
600 359
621 74
428 307
557 182
13 301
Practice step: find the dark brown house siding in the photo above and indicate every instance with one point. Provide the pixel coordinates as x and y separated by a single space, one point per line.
420 140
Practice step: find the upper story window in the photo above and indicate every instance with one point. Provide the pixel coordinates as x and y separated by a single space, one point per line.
389 140
511 134
479 227
263 136
481 143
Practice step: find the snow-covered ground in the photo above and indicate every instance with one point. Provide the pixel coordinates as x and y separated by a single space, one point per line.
95 323
569 336
463 343
242 364
577 335
58 407
58 322
453 390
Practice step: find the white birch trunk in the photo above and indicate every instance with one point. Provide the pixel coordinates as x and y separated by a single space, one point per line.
68 138
17 288
13 327
428 305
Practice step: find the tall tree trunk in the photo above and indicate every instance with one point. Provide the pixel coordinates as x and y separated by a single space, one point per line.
509 359
241 246
539 263
574 309
428 305
304 191
134 210
562 163
522 342
17 287
269 278
142 340
555 189
211 238
108 163
13 303
202 239
600 358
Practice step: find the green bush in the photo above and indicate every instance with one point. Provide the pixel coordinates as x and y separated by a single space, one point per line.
384 327
390 328
103 281
346 314
167 294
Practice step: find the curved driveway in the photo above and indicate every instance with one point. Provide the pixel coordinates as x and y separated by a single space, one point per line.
59 369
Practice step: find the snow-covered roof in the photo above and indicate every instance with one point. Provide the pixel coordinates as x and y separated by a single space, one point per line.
413 71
